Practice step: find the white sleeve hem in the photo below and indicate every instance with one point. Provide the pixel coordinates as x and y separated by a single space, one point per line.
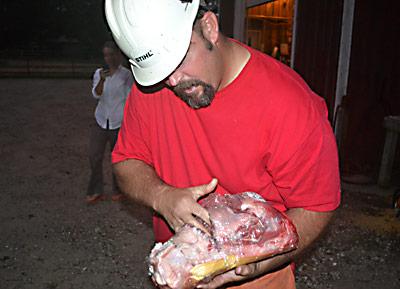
96 80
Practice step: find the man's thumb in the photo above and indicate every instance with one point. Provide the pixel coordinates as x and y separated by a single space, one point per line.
211 185
207 188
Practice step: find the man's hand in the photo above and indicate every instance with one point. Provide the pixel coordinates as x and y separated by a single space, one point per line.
180 207
240 273
177 205
104 73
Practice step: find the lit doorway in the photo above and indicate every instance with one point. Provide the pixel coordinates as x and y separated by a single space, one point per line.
269 27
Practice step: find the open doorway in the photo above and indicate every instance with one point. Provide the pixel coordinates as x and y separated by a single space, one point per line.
269 27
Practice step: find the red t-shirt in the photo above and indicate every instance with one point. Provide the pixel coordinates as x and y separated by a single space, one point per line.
266 132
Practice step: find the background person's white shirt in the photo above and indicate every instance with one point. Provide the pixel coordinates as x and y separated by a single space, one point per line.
111 103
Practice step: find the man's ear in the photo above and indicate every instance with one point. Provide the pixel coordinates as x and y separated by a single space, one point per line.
209 27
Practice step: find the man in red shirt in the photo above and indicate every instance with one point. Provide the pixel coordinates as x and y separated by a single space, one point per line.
226 118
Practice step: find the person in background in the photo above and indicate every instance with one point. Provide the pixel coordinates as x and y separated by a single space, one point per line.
111 85
276 53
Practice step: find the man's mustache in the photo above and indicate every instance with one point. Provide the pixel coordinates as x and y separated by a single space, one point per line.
182 86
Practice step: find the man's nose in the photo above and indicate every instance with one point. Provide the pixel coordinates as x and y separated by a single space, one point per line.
174 78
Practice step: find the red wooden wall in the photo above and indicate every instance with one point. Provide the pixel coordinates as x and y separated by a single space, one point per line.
374 84
317 45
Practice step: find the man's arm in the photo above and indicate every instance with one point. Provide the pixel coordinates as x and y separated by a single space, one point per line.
99 87
309 225
178 206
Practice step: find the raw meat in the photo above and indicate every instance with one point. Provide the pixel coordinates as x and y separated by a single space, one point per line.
244 229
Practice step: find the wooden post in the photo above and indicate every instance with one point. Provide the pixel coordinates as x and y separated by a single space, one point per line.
392 125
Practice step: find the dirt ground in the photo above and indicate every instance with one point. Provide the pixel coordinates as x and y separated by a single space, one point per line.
51 239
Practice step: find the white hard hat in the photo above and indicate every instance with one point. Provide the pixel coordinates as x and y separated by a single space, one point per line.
154 34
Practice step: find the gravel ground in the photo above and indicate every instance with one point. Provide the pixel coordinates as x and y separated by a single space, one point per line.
51 239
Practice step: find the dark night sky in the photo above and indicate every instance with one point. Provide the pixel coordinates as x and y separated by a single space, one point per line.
53 25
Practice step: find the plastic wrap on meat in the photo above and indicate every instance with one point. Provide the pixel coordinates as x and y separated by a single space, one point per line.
245 229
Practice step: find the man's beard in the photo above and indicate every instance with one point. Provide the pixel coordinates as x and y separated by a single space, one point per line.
192 99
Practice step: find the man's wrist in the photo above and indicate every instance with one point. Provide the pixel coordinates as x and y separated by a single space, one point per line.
159 192
277 262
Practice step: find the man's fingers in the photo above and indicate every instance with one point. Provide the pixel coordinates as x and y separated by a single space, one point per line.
199 192
211 185
220 280
203 190
200 226
180 207
202 213
175 223
195 223
245 270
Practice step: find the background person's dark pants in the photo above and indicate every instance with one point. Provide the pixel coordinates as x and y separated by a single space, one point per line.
99 138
